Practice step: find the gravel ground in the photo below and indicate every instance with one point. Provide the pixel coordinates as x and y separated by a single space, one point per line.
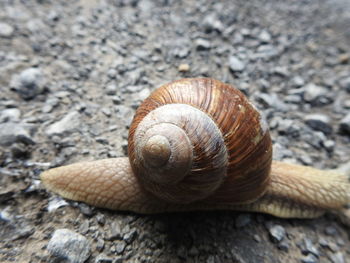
72 74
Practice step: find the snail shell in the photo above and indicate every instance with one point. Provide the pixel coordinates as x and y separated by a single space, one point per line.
195 138
198 144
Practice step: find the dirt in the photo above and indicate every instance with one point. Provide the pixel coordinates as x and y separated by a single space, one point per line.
100 59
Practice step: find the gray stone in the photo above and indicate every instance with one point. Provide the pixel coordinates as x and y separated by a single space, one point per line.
280 152
100 244
143 94
345 124
264 36
6 216
29 83
272 100
101 219
281 71
212 23
236 64
266 51
112 73
68 123
126 112
6 30
319 122
242 220
11 132
50 104
10 115
338 258
120 247
85 209
305 159
130 236
315 95
309 259
70 246
117 99
296 99
103 259
283 245
202 44
115 231
309 248
56 203
181 52
345 84
288 127
298 81
23 231
111 89
84 227
331 231
106 111
277 233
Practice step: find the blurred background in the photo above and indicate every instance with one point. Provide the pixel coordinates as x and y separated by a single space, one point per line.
72 74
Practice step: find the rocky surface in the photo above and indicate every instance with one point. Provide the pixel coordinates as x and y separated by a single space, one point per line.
72 74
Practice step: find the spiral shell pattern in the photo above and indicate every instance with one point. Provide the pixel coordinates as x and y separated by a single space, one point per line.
195 138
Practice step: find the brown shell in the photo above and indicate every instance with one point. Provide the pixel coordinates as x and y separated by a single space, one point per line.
244 133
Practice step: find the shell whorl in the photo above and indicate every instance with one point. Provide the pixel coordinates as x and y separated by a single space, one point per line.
195 138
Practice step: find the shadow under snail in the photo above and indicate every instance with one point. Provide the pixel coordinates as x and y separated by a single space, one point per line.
199 144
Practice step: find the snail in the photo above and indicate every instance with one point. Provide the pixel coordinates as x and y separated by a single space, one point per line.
199 144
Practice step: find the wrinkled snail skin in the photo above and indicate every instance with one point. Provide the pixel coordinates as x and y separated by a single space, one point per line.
110 183
185 154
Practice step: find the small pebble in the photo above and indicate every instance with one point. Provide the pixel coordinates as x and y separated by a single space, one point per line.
184 68
264 36
309 259
283 245
101 219
329 145
56 203
316 95
298 81
70 122
309 247
236 64
120 247
103 259
85 209
130 236
344 125
10 115
29 83
114 231
257 238
202 44
100 244
111 89
211 23
68 245
345 84
277 233
331 231
84 227
338 258
319 122
6 30
11 132
243 220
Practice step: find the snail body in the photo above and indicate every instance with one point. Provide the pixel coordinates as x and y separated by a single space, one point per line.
199 144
